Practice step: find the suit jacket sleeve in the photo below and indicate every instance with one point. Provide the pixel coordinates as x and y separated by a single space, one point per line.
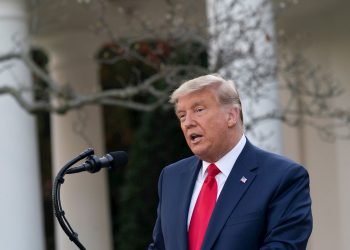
158 241
289 222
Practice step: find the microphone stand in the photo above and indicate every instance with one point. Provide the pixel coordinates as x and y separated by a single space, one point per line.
56 198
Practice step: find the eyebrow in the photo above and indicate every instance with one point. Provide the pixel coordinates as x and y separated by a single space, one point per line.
197 103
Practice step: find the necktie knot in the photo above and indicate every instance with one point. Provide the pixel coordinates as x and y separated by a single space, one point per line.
213 170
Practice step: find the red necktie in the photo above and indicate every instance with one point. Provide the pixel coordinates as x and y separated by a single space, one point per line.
203 209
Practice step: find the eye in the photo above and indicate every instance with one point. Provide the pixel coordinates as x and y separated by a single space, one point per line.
181 116
198 109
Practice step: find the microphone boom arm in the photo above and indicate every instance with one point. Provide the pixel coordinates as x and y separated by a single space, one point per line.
56 198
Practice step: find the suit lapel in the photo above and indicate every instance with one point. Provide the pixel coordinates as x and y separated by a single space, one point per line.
187 181
232 192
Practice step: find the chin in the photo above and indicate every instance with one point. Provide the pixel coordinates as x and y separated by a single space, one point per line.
199 151
199 154
196 152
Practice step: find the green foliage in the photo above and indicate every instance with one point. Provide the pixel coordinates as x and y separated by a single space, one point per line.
158 142
153 140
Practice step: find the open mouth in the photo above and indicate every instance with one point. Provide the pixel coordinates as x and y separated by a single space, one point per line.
195 137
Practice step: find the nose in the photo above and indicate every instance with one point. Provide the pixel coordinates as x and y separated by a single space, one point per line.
189 121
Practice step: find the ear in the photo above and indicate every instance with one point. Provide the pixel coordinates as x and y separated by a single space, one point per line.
232 116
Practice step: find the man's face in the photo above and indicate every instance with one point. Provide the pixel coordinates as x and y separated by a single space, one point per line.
207 126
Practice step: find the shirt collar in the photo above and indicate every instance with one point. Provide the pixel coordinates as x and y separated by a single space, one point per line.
225 164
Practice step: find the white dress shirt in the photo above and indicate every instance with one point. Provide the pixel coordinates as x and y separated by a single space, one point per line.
225 165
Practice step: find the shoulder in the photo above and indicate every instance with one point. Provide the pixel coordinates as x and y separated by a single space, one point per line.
275 163
279 174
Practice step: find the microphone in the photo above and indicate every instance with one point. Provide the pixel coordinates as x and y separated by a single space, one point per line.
94 164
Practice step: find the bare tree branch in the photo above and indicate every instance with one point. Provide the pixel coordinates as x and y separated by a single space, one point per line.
310 91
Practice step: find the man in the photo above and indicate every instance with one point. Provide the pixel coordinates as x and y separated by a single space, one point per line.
230 195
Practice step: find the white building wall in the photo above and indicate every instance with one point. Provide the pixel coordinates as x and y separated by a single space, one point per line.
71 32
84 196
21 221
340 65
240 45
326 36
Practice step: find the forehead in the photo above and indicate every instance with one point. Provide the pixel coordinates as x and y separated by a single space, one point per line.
200 97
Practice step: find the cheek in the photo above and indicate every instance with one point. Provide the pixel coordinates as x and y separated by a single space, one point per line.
217 124
184 132
183 129
217 130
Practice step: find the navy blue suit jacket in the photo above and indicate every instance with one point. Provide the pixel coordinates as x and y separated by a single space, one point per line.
271 210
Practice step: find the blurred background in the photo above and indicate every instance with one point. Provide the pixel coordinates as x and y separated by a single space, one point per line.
76 74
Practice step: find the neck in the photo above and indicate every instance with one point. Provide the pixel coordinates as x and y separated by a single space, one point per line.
230 146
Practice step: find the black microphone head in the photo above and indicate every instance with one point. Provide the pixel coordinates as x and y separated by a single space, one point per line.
120 159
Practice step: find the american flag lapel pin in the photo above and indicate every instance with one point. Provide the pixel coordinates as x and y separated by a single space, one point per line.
243 179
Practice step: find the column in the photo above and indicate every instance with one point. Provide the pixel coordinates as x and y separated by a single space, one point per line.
340 54
85 198
242 48
21 205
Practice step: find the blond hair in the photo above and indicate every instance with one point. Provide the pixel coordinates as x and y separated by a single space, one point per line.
225 89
